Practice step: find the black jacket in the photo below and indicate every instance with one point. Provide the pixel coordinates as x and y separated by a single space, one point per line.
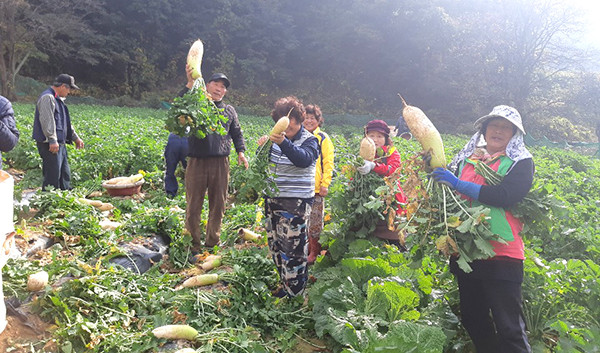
9 135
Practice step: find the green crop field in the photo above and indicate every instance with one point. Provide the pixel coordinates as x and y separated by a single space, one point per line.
364 296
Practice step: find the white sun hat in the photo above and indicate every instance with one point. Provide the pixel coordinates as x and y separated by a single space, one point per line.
502 111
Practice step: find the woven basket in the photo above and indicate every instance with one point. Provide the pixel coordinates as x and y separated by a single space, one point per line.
123 190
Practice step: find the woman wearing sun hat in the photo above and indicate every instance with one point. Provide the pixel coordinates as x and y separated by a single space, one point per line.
494 285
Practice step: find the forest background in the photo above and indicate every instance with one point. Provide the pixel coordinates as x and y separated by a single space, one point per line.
455 59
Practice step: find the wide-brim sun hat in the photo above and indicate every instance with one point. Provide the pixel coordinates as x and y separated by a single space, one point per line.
502 111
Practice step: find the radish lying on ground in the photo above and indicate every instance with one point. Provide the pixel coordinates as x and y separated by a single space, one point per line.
176 332
211 261
248 235
201 280
37 281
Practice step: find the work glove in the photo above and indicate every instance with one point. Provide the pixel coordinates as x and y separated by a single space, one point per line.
445 177
366 168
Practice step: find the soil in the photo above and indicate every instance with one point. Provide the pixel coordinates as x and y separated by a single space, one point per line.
26 332
311 345
19 335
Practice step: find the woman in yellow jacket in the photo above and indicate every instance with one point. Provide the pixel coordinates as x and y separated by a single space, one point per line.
324 172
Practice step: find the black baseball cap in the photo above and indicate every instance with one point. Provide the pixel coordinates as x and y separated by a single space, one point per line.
220 76
64 79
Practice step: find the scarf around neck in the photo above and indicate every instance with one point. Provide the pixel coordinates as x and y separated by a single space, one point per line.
515 150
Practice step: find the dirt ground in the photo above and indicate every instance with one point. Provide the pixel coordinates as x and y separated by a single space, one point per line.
310 346
25 329
19 335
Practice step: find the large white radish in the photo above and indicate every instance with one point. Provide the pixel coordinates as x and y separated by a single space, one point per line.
425 132
194 58
367 149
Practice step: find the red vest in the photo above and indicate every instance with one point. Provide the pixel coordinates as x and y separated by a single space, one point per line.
502 222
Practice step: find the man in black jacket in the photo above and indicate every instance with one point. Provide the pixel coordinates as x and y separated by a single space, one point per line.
52 130
208 166
9 135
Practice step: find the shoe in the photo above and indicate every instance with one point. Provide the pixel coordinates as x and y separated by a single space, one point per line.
212 248
194 256
279 293
314 250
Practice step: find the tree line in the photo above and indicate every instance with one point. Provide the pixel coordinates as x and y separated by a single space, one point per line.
455 59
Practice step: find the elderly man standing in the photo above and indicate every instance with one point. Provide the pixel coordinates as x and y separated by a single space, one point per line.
9 135
52 129
207 171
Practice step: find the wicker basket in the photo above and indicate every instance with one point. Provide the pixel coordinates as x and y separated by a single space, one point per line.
123 190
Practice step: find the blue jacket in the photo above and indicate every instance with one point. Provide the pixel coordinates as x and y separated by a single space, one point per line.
9 135
62 119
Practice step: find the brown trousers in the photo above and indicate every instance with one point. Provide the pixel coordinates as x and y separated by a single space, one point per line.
202 175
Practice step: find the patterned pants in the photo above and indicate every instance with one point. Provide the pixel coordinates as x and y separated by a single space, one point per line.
286 224
316 217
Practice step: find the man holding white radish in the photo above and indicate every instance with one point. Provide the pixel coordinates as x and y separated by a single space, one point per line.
207 170
494 285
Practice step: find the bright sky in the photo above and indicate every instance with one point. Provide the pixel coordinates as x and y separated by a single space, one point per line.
592 11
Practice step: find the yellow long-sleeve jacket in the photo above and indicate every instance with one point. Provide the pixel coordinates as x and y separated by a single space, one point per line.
324 170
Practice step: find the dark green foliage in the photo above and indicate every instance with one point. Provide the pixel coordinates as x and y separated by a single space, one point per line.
194 114
255 182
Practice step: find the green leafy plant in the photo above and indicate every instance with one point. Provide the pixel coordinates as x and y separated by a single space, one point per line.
195 114
372 304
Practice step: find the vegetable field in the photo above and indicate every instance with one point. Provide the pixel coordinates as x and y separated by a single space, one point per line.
363 296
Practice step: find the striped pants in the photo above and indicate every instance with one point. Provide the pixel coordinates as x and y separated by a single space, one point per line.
287 235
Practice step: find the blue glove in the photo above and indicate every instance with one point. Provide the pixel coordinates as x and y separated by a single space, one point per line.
444 176
366 168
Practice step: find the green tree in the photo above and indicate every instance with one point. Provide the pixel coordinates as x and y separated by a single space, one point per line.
504 51
44 29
